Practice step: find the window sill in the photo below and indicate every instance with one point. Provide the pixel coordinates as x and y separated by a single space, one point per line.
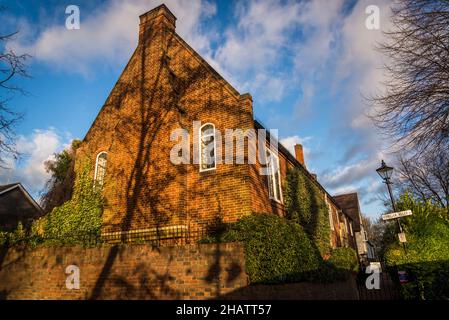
276 201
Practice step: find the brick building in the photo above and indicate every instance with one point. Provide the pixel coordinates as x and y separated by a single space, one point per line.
166 86
349 203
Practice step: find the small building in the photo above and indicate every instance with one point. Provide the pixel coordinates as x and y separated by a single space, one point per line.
349 203
17 205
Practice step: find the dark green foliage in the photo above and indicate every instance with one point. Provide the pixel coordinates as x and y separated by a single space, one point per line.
276 249
427 257
305 204
344 259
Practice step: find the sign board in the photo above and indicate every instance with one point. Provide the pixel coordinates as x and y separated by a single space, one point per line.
375 266
401 237
403 277
395 215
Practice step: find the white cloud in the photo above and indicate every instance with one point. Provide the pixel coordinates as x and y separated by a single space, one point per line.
35 148
290 142
258 43
355 174
260 33
108 35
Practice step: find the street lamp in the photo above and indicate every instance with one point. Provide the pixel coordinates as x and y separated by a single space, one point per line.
385 173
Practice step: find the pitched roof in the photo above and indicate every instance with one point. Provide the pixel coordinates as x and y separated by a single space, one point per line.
349 203
8 187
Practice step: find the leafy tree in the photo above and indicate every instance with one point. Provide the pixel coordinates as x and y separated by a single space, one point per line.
59 188
427 256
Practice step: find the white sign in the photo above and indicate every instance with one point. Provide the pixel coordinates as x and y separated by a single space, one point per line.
375 266
401 237
395 215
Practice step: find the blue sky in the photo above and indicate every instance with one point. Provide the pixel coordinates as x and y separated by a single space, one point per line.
307 65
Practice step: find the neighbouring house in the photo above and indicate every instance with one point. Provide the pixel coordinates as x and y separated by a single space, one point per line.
349 203
168 93
17 205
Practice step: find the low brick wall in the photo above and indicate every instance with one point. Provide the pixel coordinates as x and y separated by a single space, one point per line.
206 271
124 272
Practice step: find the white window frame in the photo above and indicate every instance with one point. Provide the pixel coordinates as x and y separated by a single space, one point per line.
201 146
329 208
96 167
271 177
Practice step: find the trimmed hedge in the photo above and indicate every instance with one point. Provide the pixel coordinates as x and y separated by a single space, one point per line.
276 249
344 259
305 204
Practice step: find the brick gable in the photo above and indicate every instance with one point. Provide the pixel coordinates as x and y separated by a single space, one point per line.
165 86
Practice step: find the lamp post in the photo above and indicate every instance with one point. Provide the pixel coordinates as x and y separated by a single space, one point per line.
385 173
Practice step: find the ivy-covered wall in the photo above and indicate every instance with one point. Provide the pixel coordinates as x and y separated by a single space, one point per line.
77 221
305 204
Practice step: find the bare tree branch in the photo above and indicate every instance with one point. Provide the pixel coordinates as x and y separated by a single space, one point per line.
414 110
11 66
426 177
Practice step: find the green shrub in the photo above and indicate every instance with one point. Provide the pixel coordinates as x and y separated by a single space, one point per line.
427 257
276 249
305 204
344 259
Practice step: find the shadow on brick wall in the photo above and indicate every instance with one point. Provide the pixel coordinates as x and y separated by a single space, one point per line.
157 106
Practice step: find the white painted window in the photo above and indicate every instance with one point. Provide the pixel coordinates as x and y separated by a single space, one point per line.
100 168
274 176
207 147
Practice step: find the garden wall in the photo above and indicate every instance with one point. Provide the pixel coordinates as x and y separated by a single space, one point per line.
123 272
205 271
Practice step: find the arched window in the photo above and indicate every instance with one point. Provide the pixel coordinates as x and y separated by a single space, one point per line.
100 168
207 147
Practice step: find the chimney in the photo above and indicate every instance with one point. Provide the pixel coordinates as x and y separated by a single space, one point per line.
157 17
299 154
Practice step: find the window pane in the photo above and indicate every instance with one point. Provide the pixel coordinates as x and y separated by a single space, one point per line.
101 168
277 185
207 147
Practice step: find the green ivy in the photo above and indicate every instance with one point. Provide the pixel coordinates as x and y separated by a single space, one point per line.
77 221
79 217
305 204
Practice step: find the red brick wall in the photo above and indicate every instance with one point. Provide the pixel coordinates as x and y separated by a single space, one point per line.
125 272
205 271
166 86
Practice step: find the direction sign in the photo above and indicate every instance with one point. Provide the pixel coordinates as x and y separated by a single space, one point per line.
395 215
402 237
